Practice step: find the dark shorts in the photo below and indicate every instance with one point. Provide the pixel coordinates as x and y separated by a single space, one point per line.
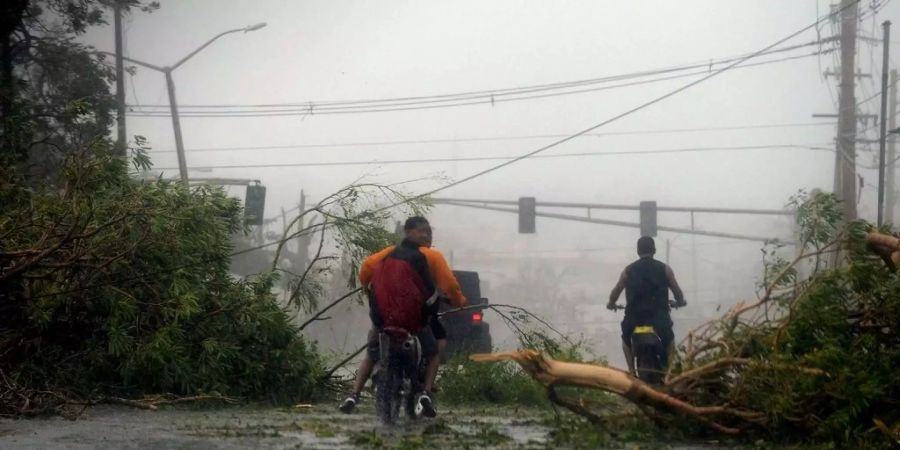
426 340
662 324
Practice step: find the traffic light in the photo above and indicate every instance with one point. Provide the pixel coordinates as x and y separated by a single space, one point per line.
254 204
648 219
527 214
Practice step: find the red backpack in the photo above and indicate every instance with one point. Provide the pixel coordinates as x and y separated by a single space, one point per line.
400 294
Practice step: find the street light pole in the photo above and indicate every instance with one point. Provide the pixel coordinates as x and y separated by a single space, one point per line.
176 126
170 87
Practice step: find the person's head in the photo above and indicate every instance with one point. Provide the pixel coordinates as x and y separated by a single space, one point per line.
418 231
646 246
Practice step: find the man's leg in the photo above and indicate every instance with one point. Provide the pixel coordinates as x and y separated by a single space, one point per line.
362 374
629 357
667 338
440 335
431 371
670 351
430 352
627 329
668 342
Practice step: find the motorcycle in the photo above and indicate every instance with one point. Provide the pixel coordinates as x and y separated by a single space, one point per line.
399 374
647 350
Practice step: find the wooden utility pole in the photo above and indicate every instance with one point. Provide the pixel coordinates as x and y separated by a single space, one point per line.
889 186
122 139
883 123
845 158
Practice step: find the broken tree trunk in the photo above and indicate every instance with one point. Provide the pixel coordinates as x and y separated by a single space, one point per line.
885 246
553 373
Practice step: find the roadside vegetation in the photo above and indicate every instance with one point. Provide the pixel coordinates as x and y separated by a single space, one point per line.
118 287
814 360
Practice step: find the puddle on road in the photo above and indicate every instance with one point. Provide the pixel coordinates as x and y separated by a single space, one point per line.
319 427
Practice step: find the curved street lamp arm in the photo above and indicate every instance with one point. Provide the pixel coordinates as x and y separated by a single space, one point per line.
191 54
135 61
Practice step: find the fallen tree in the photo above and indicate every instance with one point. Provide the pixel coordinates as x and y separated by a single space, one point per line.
553 373
816 357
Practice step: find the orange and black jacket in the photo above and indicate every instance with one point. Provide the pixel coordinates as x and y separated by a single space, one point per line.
427 262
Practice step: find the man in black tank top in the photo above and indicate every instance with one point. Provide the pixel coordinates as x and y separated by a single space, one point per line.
646 283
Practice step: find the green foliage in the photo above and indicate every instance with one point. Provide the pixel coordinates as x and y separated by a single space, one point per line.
122 286
114 286
464 381
631 431
819 217
842 321
846 325
55 100
350 222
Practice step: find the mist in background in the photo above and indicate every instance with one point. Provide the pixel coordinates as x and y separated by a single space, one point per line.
260 105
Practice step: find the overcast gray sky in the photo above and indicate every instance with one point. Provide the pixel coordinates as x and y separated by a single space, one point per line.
326 50
313 52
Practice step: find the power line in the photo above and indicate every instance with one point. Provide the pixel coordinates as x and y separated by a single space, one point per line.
313 108
818 147
483 172
496 138
616 117
522 89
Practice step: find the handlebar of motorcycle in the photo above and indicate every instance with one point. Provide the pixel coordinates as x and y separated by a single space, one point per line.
672 304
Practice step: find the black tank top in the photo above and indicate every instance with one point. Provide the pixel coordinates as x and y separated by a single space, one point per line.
646 287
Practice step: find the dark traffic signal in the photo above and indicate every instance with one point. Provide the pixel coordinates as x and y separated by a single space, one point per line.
648 219
527 214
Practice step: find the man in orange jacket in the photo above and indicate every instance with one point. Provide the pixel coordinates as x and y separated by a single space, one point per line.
436 274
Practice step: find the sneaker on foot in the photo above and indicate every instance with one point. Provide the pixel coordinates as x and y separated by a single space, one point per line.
349 404
425 405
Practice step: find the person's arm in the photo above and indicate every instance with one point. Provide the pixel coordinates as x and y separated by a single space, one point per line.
673 285
616 291
367 269
443 277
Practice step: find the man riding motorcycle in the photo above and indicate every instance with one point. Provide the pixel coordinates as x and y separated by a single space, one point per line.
434 274
647 283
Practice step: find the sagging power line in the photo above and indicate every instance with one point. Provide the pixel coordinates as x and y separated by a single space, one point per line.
813 147
496 138
310 108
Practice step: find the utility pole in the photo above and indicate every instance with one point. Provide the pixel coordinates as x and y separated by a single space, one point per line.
694 258
845 157
889 186
883 123
122 139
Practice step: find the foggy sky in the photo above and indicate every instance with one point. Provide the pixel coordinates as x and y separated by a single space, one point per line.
314 51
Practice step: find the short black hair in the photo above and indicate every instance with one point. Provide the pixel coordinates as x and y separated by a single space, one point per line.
414 222
646 246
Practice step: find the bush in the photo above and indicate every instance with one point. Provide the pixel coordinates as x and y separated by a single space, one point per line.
113 285
464 381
